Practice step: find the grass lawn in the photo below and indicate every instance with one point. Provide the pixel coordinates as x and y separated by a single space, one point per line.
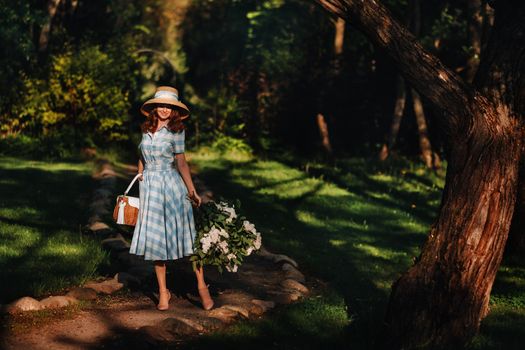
42 205
357 226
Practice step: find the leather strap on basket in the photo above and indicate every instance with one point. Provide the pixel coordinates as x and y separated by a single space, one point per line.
131 184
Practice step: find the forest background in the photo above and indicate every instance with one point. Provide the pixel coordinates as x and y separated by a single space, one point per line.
266 73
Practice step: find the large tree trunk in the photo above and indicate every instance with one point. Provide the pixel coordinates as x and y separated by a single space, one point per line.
440 301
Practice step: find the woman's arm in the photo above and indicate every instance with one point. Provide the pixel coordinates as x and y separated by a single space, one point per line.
140 168
184 171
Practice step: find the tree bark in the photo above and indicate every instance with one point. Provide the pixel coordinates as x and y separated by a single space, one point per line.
45 33
399 109
424 140
422 130
323 132
440 301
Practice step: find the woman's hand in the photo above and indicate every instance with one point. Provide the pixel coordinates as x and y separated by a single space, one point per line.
195 198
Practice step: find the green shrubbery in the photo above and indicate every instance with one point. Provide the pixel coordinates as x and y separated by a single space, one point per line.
85 98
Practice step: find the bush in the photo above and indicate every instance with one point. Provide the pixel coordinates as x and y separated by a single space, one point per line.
86 96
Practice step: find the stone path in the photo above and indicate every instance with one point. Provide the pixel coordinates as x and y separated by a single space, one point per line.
119 312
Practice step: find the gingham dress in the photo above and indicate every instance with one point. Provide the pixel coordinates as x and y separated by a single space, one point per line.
165 228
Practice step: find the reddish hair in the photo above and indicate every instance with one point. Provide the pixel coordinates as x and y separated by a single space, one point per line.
174 124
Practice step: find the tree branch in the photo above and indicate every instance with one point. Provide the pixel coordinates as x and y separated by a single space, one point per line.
421 69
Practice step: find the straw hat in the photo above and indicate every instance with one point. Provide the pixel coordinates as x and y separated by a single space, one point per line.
165 95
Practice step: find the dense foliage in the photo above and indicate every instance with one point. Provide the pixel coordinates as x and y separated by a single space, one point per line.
254 70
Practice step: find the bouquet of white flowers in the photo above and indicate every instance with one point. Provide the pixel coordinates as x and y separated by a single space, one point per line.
223 238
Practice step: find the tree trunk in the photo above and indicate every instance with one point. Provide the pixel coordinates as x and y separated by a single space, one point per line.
323 132
429 158
422 130
399 109
45 33
440 301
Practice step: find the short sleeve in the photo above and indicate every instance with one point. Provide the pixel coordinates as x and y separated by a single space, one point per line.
178 142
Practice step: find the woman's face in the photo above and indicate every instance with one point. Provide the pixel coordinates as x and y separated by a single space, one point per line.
163 112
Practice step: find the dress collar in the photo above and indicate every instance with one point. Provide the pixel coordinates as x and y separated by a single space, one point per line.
159 130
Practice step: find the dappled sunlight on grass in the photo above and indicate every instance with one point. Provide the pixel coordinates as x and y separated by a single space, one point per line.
42 207
357 228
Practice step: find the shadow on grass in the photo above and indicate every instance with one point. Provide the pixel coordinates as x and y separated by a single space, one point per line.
42 207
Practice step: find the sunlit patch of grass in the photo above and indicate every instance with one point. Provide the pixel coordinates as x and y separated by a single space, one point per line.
41 210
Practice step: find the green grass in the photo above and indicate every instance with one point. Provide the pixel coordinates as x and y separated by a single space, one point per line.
42 205
357 225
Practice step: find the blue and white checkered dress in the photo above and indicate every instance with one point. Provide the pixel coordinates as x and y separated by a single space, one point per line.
165 228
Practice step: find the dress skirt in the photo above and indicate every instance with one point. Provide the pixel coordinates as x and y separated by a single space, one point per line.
165 228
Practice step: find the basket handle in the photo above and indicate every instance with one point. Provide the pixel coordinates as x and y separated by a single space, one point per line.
132 183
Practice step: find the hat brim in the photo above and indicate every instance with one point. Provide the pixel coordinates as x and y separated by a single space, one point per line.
154 102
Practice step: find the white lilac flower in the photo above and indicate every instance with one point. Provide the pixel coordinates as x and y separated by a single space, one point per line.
232 269
248 226
258 240
223 233
224 247
214 234
231 212
206 244
231 256
249 251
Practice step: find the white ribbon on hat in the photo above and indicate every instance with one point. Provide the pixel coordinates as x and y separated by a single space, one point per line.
168 94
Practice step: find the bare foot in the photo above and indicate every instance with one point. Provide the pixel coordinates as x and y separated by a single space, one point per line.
164 300
206 300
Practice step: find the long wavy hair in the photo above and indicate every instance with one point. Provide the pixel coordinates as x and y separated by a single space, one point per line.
175 124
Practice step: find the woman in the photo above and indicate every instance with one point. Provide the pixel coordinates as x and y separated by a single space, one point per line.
165 228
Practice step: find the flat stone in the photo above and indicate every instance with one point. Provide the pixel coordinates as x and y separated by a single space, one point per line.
98 226
263 252
106 287
238 309
277 258
126 279
102 193
286 298
108 182
194 325
155 334
82 293
103 203
55 302
23 304
223 314
265 304
107 172
294 274
294 285
117 244
256 310
176 326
